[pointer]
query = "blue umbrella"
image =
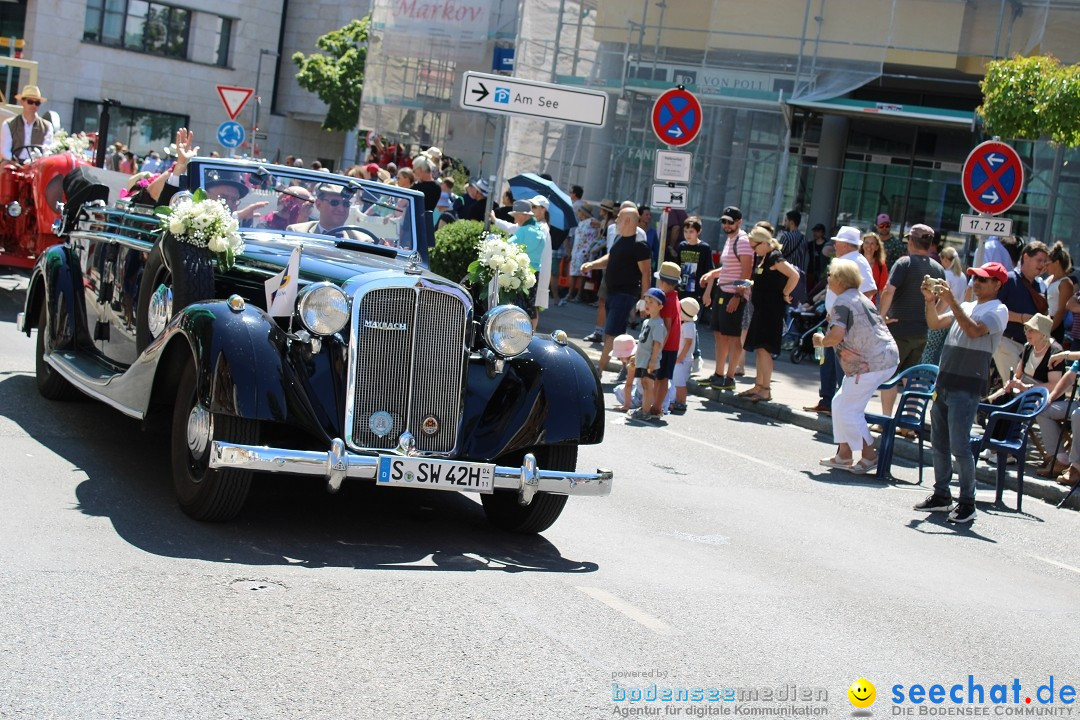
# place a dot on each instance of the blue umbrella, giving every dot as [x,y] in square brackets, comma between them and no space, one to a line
[560,208]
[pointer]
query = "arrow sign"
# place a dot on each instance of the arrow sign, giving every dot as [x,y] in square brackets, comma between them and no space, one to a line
[992,178]
[513,96]
[230,134]
[234,98]
[480,92]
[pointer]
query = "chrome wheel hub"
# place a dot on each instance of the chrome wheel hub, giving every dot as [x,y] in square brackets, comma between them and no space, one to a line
[198,431]
[160,310]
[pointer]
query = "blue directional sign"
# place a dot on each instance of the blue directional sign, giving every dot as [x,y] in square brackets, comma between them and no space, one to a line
[230,134]
[992,177]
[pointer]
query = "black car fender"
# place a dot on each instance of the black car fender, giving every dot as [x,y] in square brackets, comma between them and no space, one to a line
[219,340]
[548,395]
[51,280]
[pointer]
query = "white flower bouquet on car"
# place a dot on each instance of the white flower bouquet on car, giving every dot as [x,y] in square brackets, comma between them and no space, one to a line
[503,262]
[205,224]
[63,142]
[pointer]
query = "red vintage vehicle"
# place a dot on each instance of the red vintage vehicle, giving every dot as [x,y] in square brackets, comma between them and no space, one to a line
[29,193]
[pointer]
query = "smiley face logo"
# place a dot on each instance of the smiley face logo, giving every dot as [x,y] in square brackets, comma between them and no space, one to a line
[862,693]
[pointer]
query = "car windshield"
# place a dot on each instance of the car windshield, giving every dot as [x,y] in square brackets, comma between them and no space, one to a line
[313,203]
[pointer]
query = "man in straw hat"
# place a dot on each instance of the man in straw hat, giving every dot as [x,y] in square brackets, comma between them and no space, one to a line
[27,129]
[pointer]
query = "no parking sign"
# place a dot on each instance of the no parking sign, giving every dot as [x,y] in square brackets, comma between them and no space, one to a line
[676,116]
[992,178]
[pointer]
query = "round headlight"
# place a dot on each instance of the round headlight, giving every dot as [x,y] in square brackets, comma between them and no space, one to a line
[324,308]
[507,330]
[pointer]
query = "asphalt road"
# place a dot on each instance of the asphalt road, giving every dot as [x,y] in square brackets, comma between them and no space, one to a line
[725,557]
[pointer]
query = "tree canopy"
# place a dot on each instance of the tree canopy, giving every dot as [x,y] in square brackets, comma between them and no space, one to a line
[1027,98]
[337,74]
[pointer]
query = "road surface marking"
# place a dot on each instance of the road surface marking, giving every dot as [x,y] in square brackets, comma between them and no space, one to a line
[638,616]
[744,456]
[1058,564]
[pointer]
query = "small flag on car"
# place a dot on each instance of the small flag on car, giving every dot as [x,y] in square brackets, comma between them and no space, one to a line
[281,289]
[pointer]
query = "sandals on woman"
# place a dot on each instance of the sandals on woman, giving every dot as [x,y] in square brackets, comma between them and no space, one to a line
[1053,470]
[836,462]
[865,466]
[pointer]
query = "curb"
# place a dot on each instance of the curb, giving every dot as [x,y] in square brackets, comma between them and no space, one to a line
[1034,486]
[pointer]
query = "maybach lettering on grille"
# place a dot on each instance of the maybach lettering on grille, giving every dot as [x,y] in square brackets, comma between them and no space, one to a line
[448,11]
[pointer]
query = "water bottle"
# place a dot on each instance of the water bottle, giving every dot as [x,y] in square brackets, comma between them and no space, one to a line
[819,354]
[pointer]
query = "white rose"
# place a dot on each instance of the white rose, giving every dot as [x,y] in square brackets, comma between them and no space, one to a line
[515,283]
[523,259]
[504,281]
[218,244]
[510,267]
[529,281]
[176,226]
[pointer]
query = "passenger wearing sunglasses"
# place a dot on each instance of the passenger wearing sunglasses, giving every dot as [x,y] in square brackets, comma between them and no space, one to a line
[333,206]
[894,246]
[26,129]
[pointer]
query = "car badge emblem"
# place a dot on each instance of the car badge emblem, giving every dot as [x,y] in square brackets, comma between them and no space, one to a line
[381,423]
[430,425]
[380,325]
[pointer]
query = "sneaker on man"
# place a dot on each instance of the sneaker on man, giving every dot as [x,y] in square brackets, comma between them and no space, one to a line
[962,513]
[725,383]
[594,336]
[935,503]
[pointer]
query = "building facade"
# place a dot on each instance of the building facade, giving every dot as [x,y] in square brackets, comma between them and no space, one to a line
[159,63]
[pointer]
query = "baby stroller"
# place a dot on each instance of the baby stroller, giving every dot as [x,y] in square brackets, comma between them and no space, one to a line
[803,321]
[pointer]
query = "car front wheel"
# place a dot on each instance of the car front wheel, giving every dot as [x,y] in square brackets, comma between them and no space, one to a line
[203,492]
[503,509]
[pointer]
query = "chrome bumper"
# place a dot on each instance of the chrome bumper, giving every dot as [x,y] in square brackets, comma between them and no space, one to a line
[338,464]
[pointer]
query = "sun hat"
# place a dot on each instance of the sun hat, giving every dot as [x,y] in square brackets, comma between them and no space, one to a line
[656,294]
[608,204]
[623,346]
[993,270]
[848,234]
[521,207]
[1040,323]
[690,308]
[669,271]
[480,184]
[540,201]
[30,91]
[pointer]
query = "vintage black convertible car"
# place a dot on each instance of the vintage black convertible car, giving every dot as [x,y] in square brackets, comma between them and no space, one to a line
[380,370]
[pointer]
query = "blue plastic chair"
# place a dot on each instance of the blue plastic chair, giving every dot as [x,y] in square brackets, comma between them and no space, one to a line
[1015,419]
[910,413]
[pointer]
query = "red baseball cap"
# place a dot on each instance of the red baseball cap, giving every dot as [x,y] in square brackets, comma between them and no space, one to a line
[372,169]
[993,270]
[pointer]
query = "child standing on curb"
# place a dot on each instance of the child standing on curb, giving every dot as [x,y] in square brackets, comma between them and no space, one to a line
[623,348]
[689,309]
[647,359]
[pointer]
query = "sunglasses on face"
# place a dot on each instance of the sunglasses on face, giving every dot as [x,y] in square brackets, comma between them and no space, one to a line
[335,202]
[727,222]
[31,102]
[884,226]
[980,279]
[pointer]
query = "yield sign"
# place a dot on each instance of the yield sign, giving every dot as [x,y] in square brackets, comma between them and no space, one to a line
[676,116]
[234,98]
[992,178]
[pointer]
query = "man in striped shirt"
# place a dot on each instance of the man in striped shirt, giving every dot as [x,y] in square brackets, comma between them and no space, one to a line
[793,242]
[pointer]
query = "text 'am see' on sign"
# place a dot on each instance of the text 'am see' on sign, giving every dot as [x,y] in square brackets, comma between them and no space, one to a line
[514,96]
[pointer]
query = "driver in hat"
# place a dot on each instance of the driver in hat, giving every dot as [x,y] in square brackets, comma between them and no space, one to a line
[27,129]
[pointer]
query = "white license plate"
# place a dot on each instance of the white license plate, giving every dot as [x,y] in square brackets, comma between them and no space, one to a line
[429,474]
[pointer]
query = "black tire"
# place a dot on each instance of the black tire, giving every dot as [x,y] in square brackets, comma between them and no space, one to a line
[204,493]
[504,511]
[796,356]
[184,268]
[50,384]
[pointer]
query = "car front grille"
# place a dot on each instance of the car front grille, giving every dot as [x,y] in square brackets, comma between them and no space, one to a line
[410,357]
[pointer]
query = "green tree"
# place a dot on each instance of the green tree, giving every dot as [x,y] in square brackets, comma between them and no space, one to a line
[337,74]
[1027,98]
